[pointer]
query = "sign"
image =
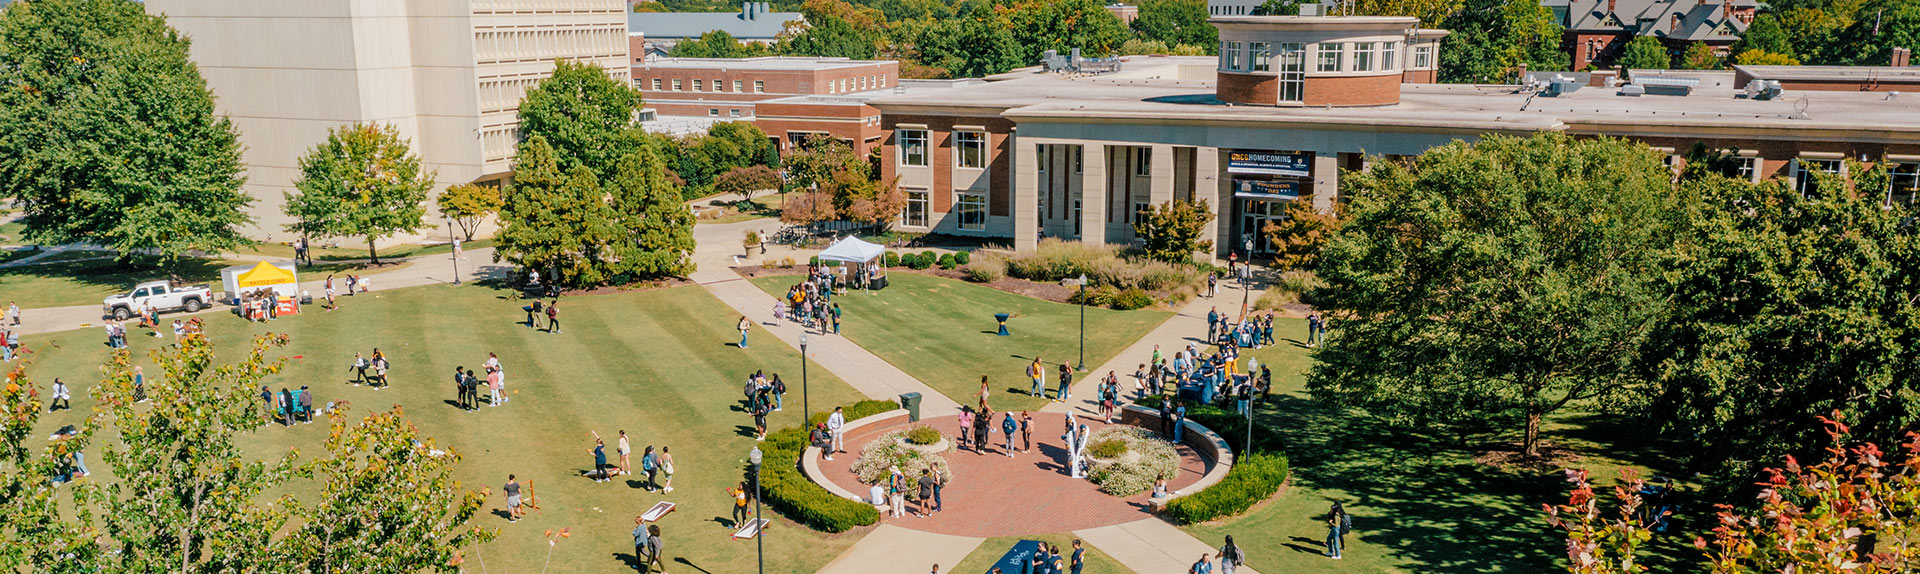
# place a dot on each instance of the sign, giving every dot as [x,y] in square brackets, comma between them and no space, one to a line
[1016,558]
[1275,163]
[1264,189]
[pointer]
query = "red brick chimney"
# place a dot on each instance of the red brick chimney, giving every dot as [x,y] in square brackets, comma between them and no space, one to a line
[1902,57]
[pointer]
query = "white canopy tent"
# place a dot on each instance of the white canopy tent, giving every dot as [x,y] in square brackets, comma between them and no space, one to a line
[852,250]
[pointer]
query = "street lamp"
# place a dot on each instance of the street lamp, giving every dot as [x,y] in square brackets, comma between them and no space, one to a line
[454,243]
[1083,323]
[760,530]
[805,408]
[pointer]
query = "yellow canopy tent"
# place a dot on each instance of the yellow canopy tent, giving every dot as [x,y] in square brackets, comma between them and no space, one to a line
[263,275]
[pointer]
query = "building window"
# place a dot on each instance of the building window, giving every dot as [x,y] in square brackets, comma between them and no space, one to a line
[883,80]
[1140,211]
[719,85]
[712,112]
[1257,56]
[1805,168]
[973,211]
[759,87]
[970,149]
[1330,57]
[699,86]
[656,84]
[1389,55]
[733,113]
[1423,57]
[1079,154]
[1903,183]
[1040,158]
[1291,68]
[676,84]
[1230,51]
[1363,56]
[1143,161]
[737,85]
[913,147]
[915,214]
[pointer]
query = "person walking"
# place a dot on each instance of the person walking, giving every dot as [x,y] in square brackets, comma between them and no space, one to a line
[1035,371]
[926,493]
[966,426]
[13,313]
[1079,559]
[1007,426]
[1336,519]
[1213,284]
[534,312]
[834,315]
[625,450]
[650,465]
[1066,381]
[654,559]
[779,308]
[665,464]
[62,397]
[1230,557]
[641,556]
[834,423]
[1202,566]
[513,499]
[1026,431]
[553,317]
[744,326]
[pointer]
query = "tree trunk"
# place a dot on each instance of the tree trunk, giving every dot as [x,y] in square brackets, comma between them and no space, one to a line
[1530,444]
[371,254]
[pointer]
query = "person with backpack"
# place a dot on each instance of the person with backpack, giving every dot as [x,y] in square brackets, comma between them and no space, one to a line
[1230,557]
[553,317]
[1008,425]
[1338,522]
[650,466]
[1202,566]
[779,392]
[460,387]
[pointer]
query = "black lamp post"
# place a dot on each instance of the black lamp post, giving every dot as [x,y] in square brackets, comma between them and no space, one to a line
[456,251]
[760,530]
[805,408]
[1083,323]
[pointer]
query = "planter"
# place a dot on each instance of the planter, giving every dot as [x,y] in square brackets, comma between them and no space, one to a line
[1126,458]
[936,448]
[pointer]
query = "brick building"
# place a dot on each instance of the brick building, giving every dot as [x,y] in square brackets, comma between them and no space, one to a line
[1029,154]
[791,98]
[1597,31]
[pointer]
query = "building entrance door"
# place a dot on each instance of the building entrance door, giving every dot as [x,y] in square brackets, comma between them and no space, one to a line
[1255,214]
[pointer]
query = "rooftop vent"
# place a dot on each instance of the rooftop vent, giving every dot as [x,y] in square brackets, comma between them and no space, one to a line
[1763,90]
[1664,86]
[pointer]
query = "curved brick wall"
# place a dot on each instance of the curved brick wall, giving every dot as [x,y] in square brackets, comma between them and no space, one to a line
[1341,91]
[1256,89]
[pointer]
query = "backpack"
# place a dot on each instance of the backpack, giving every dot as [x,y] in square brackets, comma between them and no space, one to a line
[1346,522]
[646,463]
[1233,555]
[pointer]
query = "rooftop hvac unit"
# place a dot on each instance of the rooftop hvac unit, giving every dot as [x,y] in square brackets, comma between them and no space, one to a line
[1664,86]
[1763,90]
[1313,9]
[1562,85]
[1632,90]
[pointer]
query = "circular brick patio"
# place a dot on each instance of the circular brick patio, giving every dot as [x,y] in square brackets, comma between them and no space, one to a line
[993,494]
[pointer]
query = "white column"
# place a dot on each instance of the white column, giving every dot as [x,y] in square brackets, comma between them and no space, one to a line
[1026,195]
[1093,193]
[1326,181]
[1161,189]
[1208,185]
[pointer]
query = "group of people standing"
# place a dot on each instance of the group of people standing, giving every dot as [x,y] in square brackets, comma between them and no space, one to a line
[1037,372]
[262,304]
[810,303]
[290,407]
[761,397]
[378,364]
[539,309]
[468,386]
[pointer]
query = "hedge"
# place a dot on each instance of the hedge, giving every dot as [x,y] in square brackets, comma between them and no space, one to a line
[946,261]
[785,489]
[962,257]
[1252,479]
[891,259]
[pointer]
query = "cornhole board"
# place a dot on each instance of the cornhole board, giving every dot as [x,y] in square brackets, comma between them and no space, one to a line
[751,530]
[658,512]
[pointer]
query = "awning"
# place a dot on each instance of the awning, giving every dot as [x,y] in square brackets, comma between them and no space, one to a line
[263,275]
[852,249]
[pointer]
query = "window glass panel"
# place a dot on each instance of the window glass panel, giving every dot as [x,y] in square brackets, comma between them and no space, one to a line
[699,85]
[971,149]
[1143,161]
[1904,183]
[759,87]
[1363,56]
[1330,57]
[915,214]
[1389,55]
[1423,57]
[1258,57]
[1803,179]
[913,147]
[972,208]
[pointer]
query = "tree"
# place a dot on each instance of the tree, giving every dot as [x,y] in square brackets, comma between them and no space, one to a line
[656,231]
[387,502]
[818,159]
[1878,28]
[1644,53]
[41,538]
[109,132]
[1786,306]
[1700,56]
[1430,12]
[747,181]
[859,197]
[1596,544]
[1064,25]
[1299,235]
[364,181]
[830,37]
[808,207]
[1764,58]
[468,204]
[1494,283]
[1278,8]
[716,44]
[587,117]
[555,222]
[1176,22]
[1764,35]
[725,146]
[971,46]
[1174,230]
[1491,39]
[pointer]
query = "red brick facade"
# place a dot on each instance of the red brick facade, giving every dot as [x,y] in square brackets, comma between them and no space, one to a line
[1256,89]
[940,158]
[859,125]
[1344,91]
[738,83]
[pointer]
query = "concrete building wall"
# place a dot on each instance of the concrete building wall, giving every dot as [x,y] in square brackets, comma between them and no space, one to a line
[447,73]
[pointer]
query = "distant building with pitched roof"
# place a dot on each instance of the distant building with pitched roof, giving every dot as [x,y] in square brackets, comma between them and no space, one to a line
[1597,31]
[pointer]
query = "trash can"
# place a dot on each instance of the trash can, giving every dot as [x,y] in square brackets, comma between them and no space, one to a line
[911,402]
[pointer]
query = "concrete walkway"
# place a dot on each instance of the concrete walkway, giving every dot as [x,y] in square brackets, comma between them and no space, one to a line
[1187,325]
[1152,545]
[891,549]
[424,270]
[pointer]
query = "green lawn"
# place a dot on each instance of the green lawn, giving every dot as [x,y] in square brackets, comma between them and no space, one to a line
[658,364]
[988,552]
[764,205]
[942,332]
[349,250]
[1420,504]
[86,277]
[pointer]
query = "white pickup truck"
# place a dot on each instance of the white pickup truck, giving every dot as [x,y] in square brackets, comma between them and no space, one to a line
[162,295]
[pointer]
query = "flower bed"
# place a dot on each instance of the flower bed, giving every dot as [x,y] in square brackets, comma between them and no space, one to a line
[789,492]
[1140,459]
[1252,479]
[881,455]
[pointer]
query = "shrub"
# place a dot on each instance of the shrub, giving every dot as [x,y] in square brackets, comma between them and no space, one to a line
[1097,296]
[814,261]
[786,262]
[962,257]
[922,435]
[930,256]
[789,492]
[891,259]
[753,238]
[946,261]
[1055,260]
[983,273]
[856,411]
[881,455]
[1292,287]
[1252,479]
[1111,448]
[1131,298]
[918,261]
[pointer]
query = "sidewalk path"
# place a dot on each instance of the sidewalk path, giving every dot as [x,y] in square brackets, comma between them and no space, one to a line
[1172,336]
[425,270]
[1152,545]
[891,548]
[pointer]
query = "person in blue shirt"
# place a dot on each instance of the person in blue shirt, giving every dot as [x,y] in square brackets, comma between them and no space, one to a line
[599,459]
[1179,420]
[1079,558]
[1201,567]
[1007,426]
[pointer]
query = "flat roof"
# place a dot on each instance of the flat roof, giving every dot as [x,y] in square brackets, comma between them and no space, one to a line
[1153,89]
[1833,73]
[770,63]
[901,89]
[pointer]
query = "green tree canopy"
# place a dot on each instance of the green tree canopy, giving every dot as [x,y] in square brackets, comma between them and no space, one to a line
[1765,35]
[1063,25]
[1176,22]
[468,204]
[364,181]
[554,222]
[657,228]
[830,37]
[585,115]
[1878,28]
[971,45]
[1700,56]
[109,134]
[747,181]
[1492,38]
[1174,230]
[1645,53]
[716,44]
[1494,283]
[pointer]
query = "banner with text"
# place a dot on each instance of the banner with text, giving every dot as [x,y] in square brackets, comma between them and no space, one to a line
[1298,164]
[1263,189]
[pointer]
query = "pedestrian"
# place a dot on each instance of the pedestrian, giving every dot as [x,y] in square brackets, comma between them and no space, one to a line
[897,492]
[1336,520]
[665,464]
[939,482]
[1213,284]
[966,425]
[286,406]
[835,315]
[351,282]
[982,431]
[640,537]
[984,391]
[926,493]
[1066,381]
[779,389]
[651,466]
[834,422]
[534,312]
[653,549]
[460,387]
[1201,567]
[1079,560]
[1166,416]
[553,317]
[624,449]
[140,385]
[1026,431]
[1179,420]
[1313,330]
[13,313]
[1007,426]
[62,397]
[1109,396]
[513,499]
[778,308]
[739,505]
[379,369]
[760,419]
[744,326]
[599,458]
[1230,557]
[1035,371]
[6,352]
[1213,321]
